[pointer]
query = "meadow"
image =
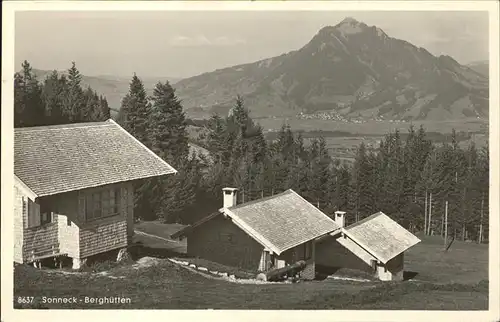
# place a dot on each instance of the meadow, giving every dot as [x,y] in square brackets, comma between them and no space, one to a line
[453,280]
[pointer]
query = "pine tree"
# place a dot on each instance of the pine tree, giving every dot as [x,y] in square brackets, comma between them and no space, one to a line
[53,96]
[343,182]
[215,139]
[472,195]
[168,134]
[149,195]
[239,116]
[257,146]
[168,138]
[29,109]
[135,110]
[320,173]
[105,110]
[74,103]
[483,165]
[180,193]
[282,159]
[90,110]
[214,179]
[133,117]
[19,101]
[362,182]
[242,149]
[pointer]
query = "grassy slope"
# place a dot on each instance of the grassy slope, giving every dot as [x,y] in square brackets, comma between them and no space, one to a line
[161,247]
[169,286]
[465,263]
[158,229]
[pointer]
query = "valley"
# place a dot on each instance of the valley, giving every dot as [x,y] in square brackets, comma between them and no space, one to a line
[343,138]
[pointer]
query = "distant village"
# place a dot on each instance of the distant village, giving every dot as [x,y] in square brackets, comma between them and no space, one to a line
[334,116]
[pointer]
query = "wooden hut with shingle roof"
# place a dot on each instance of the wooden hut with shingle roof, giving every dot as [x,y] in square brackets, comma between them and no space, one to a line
[73,189]
[271,232]
[376,244]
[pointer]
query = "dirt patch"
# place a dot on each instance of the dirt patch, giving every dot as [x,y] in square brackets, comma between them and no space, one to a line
[349,279]
[107,274]
[145,262]
[77,273]
[50,271]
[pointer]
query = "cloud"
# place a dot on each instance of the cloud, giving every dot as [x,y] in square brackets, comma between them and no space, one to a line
[202,40]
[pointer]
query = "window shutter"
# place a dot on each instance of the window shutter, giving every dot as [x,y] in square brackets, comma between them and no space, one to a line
[36,211]
[33,214]
[30,214]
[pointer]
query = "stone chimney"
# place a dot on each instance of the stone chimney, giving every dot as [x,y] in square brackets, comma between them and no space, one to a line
[340,218]
[229,197]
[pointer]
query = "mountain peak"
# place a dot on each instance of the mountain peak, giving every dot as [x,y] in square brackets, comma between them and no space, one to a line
[350,26]
[349,69]
[349,20]
[347,24]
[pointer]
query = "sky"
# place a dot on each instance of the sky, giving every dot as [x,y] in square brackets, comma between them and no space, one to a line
[188,43]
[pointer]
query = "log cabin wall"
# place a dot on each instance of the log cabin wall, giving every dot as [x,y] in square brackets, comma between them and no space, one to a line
[221,241]
[68,231]
[109,232]
[330,253]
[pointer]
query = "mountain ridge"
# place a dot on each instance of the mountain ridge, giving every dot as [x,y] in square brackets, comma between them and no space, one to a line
[350,69]
[481,67]
[114,88]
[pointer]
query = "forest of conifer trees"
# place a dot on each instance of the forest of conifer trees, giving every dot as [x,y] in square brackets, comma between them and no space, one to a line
[58,99]
[410,179]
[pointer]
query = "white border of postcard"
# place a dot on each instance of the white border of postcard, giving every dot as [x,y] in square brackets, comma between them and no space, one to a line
[9,314]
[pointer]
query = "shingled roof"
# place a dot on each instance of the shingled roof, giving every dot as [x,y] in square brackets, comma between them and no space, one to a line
[381,236]
[62,158]
[278,222]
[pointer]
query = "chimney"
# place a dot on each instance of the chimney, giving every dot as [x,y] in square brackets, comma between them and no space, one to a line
[340,218]
[229,197]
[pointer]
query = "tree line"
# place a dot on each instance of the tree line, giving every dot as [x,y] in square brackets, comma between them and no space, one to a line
[408,177]
[57,99]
